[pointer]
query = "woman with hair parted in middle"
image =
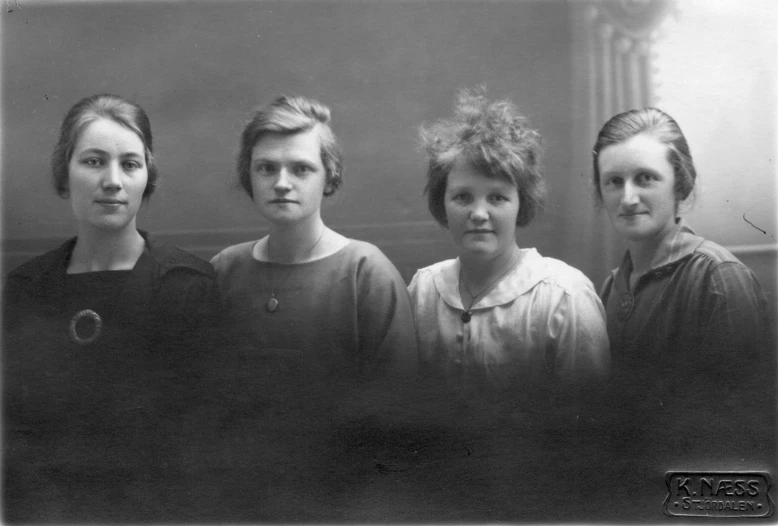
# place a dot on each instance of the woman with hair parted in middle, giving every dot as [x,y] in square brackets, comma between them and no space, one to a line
[304,294]
[107,342]
[684,314]
[499,315]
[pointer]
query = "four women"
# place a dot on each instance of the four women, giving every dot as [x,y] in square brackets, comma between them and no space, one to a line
[108,338]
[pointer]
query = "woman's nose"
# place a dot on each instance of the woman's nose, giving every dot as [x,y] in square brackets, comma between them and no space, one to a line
[630,195]
[282,182]
[112,177]
[479,212]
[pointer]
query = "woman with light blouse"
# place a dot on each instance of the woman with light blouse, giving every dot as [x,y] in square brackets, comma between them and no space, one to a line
[499,316]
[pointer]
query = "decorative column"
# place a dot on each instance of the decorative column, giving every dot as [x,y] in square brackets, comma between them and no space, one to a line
[611,72]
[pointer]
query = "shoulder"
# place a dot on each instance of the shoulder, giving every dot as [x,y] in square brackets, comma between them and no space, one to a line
[365,255]
[714,253]
[724,270]
[441,268]
[556,273]
[362,249]
[173,259]
[39,265]
[233,254]
[365,263]
[710,259]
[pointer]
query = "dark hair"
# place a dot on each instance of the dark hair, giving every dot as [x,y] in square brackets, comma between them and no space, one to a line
[289,115]
[495,139]
[655,123]
[88,110]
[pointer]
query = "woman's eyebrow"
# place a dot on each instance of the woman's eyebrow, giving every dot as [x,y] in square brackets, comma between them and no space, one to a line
[92,150]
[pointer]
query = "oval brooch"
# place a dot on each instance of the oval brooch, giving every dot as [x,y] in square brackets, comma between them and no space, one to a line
[97,326]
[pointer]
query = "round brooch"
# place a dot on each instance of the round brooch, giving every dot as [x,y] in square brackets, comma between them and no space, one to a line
[97,326]
[626,305]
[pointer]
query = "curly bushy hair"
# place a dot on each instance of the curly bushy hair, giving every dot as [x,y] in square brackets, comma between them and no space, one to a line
[289,115]
[495,139]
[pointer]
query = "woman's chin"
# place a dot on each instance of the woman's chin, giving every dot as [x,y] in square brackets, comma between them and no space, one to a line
[478,250]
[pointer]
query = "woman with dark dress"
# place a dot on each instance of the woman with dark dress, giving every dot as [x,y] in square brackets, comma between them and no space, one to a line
[691,339]
[323,326]
[105,340]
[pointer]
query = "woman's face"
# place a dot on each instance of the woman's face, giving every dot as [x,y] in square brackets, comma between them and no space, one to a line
[481,212]
[637,183]
[107,176]
[287,176]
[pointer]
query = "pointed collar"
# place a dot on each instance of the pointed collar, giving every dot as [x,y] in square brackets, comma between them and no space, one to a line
[528,271]
[675,247]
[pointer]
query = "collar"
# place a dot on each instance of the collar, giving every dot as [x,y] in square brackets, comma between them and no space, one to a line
[675,247]
[159,255]
[528,271]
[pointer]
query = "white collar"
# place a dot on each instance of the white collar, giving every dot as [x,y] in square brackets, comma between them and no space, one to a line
[528,272]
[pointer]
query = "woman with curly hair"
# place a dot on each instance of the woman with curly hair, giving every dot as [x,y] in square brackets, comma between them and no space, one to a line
[499,316]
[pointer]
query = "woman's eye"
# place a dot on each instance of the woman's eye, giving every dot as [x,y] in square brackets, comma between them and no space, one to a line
[264,169]
[644,178]
[499,198]
[613,181]
[131,165]
[461,198]
[302,169]
[93,161]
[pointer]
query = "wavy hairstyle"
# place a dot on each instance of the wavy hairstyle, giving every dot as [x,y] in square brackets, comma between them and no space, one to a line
[494,138]
[657,124]
[289,115]
[88,110]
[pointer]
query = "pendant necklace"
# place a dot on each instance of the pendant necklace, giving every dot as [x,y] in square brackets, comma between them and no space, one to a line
[272,302]
[467,314]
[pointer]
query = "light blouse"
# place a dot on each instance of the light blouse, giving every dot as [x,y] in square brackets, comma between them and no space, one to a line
[542,321]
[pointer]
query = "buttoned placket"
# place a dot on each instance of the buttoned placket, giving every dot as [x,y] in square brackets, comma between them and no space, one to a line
[464,356]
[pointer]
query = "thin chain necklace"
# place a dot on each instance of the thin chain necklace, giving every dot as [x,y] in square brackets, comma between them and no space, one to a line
[272,302]
[467,314]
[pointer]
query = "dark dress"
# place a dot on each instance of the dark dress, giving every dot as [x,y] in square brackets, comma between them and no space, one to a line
[693,354]
[101,418]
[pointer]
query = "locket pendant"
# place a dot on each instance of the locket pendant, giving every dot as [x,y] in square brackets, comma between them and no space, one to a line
[272,304]
[466,316]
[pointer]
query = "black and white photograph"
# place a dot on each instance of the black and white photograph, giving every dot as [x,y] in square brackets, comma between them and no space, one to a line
[389,261]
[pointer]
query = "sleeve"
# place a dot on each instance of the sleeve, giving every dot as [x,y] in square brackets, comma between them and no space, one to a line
[387,333]
[582,352]
[737,334]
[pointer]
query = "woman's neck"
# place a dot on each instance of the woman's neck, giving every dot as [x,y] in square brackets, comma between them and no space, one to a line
[479,272]
[644,253]
[293,243]
[98,250]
